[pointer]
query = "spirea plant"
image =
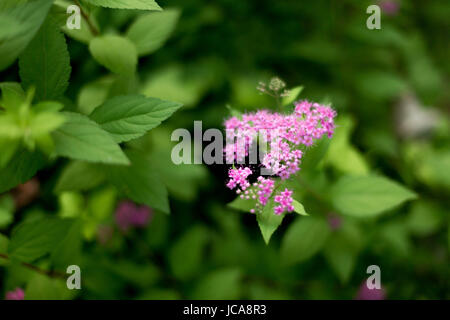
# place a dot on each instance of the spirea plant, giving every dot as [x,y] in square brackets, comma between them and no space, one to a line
[41,127]
[282,139]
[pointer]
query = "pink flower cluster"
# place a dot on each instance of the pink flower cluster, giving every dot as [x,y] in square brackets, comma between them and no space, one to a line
[284,136]
[238,177]
[285,200]
[17,294]
[129,215]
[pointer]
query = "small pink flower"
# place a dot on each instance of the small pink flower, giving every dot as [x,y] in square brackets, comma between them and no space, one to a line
[364,293]
[334,221]
[129,215]
[389,7]
[17,294]
[285,202]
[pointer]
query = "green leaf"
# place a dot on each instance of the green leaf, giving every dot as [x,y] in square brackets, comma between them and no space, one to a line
[82,139]
[28,17]
[140,275]
[21,168]
[79,176]
[303,239]
[140,183]
[342,248]
[4,241]
[42,287]
[33,239]
[94,94]
[160,294]
[59,13]
[68,251]
[313,155]
[116,53]
[126,4]
[298,208]
[342,154]
[129,117]
[293,95]
[45,63]
[47,106]
[9,148]
[242,204]
[149,32]
[186,255]
[6,210]
[425,218]
[12,95]
[182,84]
[365,196]
[224,284]
[268,221]
[45,122]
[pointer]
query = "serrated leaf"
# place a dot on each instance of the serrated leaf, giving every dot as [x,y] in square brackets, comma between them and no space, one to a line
[366,196]
[303,239]
[21,167]
[79,176]
[129,117]
[126,4]
[28,17]
[81,138]
[268,221]
[33,239]
[116,53]
[150,31]
[45,63]
[139,182]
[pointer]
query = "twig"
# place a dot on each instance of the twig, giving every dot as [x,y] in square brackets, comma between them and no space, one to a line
[53,274]
[93,28]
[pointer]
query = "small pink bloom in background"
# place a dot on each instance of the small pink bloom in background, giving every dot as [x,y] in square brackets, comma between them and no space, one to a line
[334,221]
[389,7]
[129,215]
[17,294]
[364,293]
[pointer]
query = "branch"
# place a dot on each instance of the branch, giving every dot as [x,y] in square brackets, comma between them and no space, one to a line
[53,274]
[93,28]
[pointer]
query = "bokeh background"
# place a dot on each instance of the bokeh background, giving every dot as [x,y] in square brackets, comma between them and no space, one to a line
[391,91]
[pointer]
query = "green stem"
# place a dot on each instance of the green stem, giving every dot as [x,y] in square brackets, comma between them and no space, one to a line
[93,28]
